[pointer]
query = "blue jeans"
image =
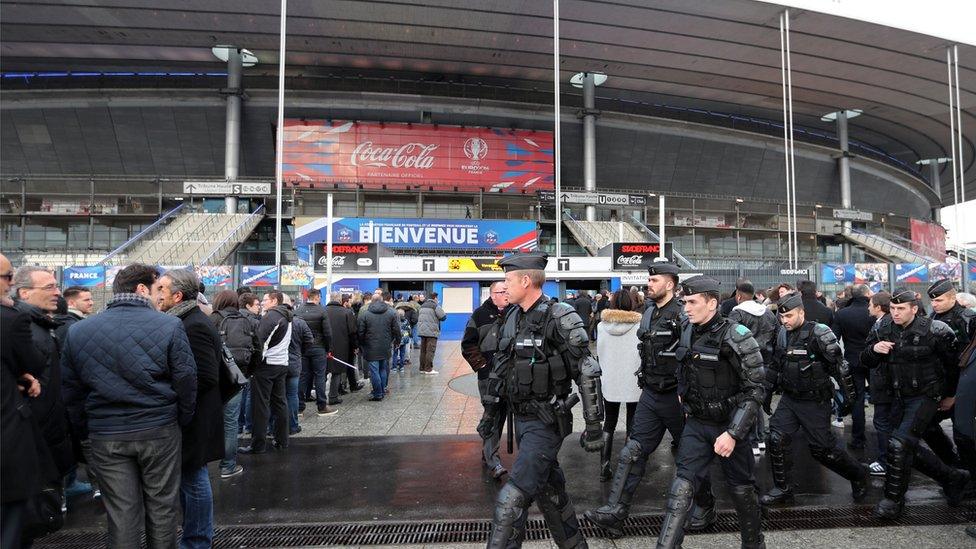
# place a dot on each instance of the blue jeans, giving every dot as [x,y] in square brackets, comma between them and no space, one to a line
[415,336]
[232,412]
[196,497]
[379,371]
[317,362]
[244,420]
[400,356]
[291,393]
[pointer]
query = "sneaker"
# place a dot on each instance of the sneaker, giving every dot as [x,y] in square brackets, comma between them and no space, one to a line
[97,494]
[375,398]
[233,472]
[325,410]
[498,471]
[837,423]
[876,469]
[756,452]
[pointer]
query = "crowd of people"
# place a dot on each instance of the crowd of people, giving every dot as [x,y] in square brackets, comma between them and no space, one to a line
[143,395]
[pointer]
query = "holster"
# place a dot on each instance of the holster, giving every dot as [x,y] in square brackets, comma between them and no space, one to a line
[564,415]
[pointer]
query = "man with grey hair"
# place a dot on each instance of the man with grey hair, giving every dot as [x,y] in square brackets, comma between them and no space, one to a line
[851,325]
[35,292]
[176,294]
[966,299]
[132,417]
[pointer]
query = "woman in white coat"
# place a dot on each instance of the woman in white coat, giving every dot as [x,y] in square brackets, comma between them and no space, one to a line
[616,348]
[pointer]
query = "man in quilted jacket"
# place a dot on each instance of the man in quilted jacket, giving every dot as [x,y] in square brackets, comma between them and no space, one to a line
[129,382]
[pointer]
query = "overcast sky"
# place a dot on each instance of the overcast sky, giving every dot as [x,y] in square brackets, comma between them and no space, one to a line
[967,222]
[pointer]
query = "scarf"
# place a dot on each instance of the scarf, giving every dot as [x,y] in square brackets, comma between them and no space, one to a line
[182,308]
[133,298]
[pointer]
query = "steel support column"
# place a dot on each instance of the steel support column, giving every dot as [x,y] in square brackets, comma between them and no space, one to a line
[232,132]
[589,140]
[844,166]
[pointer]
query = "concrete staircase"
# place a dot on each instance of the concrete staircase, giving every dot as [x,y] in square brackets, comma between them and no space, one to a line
[886,248]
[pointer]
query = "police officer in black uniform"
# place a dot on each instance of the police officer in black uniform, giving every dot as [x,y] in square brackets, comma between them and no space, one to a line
[963,324]
[915,351]
[658,409]
[720,380]
[543,348]
[805,357]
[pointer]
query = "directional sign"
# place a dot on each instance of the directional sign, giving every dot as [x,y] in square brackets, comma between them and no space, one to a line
[428,265]
[562,263]
[225,188]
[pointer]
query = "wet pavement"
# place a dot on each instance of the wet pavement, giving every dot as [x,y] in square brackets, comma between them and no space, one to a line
[415,457]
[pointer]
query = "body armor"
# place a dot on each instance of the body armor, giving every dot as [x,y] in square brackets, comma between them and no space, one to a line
[536,369]
[659,334]
[802,367]
[915,364]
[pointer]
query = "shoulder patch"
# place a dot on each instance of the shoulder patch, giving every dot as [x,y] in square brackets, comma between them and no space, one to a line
[742,330]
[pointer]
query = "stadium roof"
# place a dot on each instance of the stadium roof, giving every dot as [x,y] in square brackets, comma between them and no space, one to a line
[719,55]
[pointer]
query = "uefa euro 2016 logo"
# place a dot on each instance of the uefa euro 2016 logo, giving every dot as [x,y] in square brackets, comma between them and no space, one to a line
[491,237]
[345,235]
[475,148]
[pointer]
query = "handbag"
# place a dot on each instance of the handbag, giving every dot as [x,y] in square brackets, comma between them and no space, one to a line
[232,379]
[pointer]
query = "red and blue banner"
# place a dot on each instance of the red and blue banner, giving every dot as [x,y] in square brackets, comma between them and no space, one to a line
[215,276]
[89,277]
[406,156]
[426,234]
[259,275]
[911,272]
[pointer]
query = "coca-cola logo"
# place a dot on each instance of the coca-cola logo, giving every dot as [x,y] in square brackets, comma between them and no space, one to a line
[409,155]
[630,261]
[337,261]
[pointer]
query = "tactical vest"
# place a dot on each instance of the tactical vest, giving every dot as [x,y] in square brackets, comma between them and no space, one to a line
[537,371]
[802,375]
[707,381]
[956,319]
[914,368]
[659,339]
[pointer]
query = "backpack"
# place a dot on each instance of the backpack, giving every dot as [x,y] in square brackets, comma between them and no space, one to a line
[237,333]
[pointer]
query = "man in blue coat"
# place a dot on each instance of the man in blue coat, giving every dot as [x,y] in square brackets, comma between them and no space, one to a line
[129,383]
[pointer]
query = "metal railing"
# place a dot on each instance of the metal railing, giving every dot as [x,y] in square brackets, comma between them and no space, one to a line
[156,225]
[656,237]
[234,238]
[579,231]
[886,246]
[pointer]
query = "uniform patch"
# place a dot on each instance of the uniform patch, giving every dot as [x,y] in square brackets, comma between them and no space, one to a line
[741,330]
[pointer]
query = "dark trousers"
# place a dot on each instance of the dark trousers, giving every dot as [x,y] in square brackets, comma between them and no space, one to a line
[428,346]
[140,483]
[613,416]
[813,418]
[697,450]
[655,414]
[883,427]
[268,393]
[313,375]
[857,413]
[12,523]
[489,450]
[938,440]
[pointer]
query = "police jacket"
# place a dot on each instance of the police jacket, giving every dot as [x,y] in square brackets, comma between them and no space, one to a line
[480,339]
[962,321]
[721,374]
[541,351]
[924,350]
[659,332]
[760,321]
[803,362]
[315,316]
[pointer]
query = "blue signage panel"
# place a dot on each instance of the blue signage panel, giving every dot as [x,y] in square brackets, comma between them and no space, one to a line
[90,277]
[259,275]
[911,272]
[837,273]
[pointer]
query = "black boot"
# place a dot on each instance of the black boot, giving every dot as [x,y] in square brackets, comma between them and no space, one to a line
[611,516]
[746,503]
[702,514]
[954,481]
[842,463]
[560,516]
[606,454]
[680,498]
[780,455]
[510,507]
[899,472]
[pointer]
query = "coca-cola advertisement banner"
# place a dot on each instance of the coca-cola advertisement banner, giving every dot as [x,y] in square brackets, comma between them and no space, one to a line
[402,156]
[638,256]
[346,258]
[928,239]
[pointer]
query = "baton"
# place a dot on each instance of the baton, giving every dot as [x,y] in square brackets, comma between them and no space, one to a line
[343,362]
[511,431]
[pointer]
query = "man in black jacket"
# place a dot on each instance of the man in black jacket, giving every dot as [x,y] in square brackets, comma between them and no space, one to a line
[852,324]
[345,339]
[478,346]
[378,329]
[20,469]
[815,310]
[176,294]
[268,382]
[80,304]
[314,315]
[35,292]
[584,306]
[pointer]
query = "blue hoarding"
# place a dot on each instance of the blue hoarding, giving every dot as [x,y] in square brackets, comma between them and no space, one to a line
[837,273]
[911,272]
[440,234]
[90,277]
[259,275]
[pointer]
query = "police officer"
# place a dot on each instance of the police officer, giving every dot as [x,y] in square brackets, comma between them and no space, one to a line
[805,357]
[963,324]
[543,348]
[915,351]
[720,380]
[658,409]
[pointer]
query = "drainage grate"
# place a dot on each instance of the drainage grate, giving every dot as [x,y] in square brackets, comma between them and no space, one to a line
[476,531]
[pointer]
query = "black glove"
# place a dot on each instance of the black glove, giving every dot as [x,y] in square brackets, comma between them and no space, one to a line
[768,403]
[486,427]
[593,438]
